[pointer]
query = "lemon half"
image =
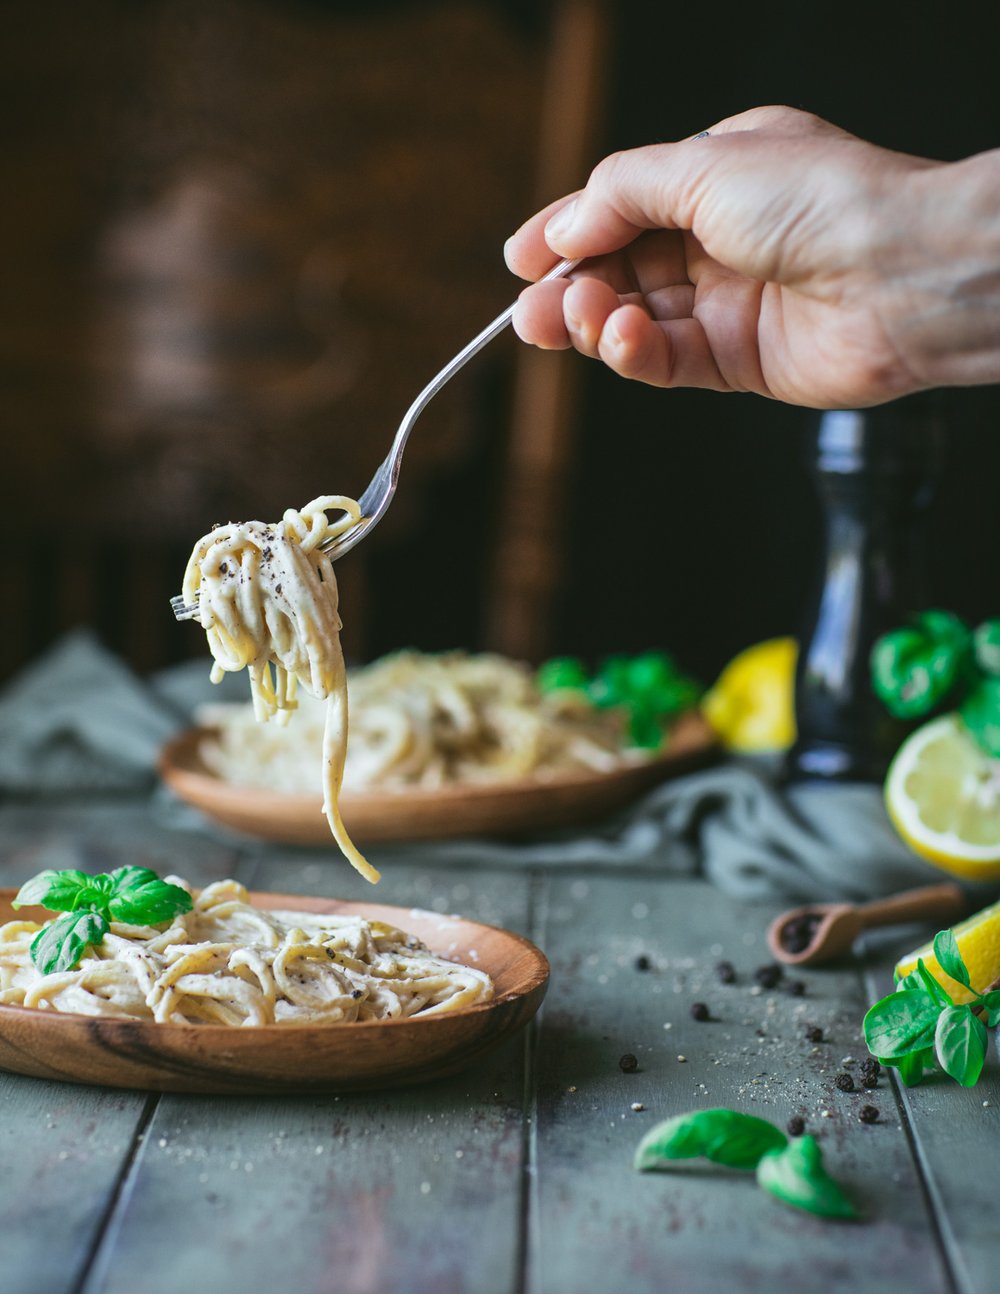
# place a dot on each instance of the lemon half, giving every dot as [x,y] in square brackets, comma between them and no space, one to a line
[942,793]
[978,940]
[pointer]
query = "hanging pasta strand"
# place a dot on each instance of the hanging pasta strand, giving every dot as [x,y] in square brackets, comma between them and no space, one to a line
[267,600]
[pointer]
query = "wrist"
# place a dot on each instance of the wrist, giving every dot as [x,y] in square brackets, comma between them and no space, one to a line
[940,271]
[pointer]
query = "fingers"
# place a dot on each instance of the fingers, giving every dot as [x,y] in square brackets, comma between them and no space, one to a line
[674,353]
[538,315]
[589,315]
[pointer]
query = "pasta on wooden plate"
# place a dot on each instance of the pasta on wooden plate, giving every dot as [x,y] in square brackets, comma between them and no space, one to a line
[227,962]
[420,720]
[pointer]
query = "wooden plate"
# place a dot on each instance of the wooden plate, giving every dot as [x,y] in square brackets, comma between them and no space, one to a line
[288,1058]
[508,809]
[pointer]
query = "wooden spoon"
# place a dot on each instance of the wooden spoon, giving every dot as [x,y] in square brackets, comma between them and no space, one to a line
[832,928]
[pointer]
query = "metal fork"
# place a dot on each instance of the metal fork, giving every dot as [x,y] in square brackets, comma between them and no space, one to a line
[376,499]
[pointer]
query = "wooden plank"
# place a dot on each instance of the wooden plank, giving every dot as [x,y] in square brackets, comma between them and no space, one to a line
[701,1228]
[97,835]
[409,1191]
[956,1131]
[62,1151]
[63,1148]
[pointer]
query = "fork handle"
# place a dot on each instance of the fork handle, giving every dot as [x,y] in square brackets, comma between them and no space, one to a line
[394,457]
[473,348]
[382,487]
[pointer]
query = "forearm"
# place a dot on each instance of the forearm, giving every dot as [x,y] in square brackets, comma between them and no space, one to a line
[942,276]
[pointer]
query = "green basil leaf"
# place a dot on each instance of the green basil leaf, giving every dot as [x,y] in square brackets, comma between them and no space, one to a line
[949,958]
[560,673]
[912,980]
[931,986]
[57,891]
[126,878]
[944,627]
[723,1136]
[986,645]
[60,944]
[960,1044]
[912,1067]
[796,1176]
[644,728]
[149,903]
[980,712]
[902,1022]
[610,686]
[913,669]
[652,672]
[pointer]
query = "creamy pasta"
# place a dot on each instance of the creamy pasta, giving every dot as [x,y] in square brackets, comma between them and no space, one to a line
[427,721]
[227,962]
[267,600]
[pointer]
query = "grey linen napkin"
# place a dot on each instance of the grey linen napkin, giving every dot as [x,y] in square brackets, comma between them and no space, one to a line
[736,826]
[79,720]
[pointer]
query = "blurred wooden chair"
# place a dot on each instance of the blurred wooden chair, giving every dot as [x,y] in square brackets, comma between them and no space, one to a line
[242,243]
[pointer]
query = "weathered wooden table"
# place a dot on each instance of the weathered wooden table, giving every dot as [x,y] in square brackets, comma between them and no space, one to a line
[516,1175]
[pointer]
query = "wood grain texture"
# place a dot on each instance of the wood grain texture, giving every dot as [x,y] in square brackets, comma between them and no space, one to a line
[62,1151]
[372,1193]
[366,1055]
[956,1132]
[502,1180]
[702,1229]
[513,808]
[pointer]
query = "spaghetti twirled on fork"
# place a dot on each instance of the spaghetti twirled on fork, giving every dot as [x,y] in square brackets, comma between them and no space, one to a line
[267,600]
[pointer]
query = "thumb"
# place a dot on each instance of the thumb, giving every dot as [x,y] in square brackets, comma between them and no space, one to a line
[627,193]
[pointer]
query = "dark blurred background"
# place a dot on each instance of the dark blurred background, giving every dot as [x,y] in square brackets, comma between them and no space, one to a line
[240,237]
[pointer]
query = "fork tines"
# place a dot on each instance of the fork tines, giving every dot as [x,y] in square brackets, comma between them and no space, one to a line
[183,610]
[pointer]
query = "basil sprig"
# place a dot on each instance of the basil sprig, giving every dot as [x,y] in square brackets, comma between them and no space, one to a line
[939,661]
[649,687]
[920,1027]
[134,895]
[795,1175]
[792,1172]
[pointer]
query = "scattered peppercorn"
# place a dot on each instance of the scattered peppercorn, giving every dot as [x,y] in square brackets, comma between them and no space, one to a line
[868,1114]
[844,1082]
[796,1125]
[871,1066]
[628,1063]
[699,1011]
[768,976]
[814,1033]
[868,1079]
[795,987]
[726,972]
[642,962]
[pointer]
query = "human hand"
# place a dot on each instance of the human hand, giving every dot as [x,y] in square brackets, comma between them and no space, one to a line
[779,255]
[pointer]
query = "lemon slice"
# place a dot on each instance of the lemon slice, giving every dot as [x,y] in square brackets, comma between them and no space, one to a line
[751,704]
[978,940]
[942,793]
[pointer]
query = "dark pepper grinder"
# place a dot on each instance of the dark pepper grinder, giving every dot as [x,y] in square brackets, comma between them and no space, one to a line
[875,471]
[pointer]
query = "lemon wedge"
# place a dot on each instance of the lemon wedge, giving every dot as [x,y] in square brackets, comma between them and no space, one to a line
[751,705]
[978,940]
[942,793]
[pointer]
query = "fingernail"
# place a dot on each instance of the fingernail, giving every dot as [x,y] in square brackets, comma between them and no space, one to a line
[561,223]
[506,250]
